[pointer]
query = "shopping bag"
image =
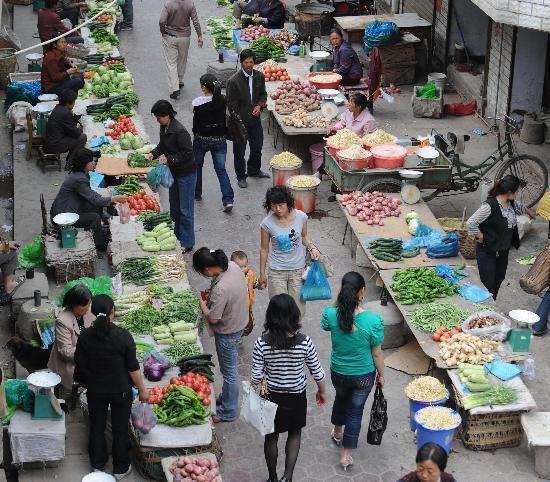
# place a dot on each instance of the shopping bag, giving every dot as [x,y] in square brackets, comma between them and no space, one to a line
[143,417]
[160,175]
[378,418]
[33,254]
[316,286]
[257,411]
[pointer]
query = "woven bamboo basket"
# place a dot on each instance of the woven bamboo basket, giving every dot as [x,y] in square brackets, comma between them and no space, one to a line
[488,431]
[20,2]
[147,460]
[467,243]
[538,277]
[8,64]
[450,225]
[64,272]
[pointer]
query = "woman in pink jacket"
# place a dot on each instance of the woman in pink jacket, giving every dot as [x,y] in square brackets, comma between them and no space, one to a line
[357,118]
[69,322]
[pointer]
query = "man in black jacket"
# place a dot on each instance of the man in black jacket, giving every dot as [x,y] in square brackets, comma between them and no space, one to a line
[246,97]
[63,129]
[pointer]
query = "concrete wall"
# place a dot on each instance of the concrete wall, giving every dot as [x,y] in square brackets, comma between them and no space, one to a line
[500,67]
[520,13]
[423,8]
[440,33]
[529,69]
[474,23]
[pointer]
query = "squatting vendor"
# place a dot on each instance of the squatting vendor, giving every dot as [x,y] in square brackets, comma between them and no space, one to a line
[269,13]
[77,196]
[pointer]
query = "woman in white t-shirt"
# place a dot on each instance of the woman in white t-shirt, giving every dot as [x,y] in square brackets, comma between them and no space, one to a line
[284,241]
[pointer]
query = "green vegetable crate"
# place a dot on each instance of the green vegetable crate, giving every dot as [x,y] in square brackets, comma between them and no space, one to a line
[347,181]
[488,431]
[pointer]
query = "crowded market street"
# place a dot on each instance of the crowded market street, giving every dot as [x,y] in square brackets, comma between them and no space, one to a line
[242,445]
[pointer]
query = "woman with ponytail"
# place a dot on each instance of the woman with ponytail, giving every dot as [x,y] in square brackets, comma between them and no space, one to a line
[494,225]
[106,363]
[355,362]
[225,309]
[210,135]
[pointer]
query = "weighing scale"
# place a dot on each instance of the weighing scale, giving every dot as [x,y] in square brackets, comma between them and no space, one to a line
[68,231]
[43,111]
[409,190]
[329,106]
[519,337]
[322,64]
[34,62]
[46,405]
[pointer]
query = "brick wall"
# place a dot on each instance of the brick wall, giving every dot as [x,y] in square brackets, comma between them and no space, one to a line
[500,68]
[440,33]
[520,13]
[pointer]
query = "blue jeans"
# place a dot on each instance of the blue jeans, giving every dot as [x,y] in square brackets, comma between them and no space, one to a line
[128,13]
[352,392]
[226,348]
[182,208]
[218,148]
[255,133]
[543,311]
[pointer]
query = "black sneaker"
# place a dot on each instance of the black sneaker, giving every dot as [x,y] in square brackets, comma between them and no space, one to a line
[198,198]
[126,27]
[227,208]
[242,183]
[540,333]
[181,85]
[260,175]
[175,95]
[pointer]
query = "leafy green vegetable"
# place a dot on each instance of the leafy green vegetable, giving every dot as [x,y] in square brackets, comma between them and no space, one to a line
[501,395]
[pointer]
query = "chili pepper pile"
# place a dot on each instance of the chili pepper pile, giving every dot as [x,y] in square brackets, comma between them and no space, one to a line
[129,187]
[420,285]
[181,407]
[141,201]
[101,35]
[197,382]
[122,125]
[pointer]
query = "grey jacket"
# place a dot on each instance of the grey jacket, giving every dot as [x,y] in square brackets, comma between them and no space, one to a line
[76,196]
[238,95]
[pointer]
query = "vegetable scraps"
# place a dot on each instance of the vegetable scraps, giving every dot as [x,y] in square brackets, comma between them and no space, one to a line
[181,407]
[419,285]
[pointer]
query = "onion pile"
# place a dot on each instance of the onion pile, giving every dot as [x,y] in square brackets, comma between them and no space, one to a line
[254,32]
[371,207]
[293,95]
[191,468]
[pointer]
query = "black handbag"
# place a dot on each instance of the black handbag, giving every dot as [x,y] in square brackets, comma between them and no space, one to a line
[378,418]
[236,130]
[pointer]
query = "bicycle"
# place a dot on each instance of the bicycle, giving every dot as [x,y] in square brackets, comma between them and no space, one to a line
[466,178]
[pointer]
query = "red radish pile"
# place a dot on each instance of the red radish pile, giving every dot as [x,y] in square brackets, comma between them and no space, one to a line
[189,468]
[371,207]
[254,32]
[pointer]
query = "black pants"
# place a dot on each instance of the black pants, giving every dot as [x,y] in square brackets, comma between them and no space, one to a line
[255,133]
[92,221]
[492,268]
[98,406]
[69,144]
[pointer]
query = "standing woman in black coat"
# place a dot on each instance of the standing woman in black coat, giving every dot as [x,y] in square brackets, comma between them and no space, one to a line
[175,149]
[495,226]
[210,135]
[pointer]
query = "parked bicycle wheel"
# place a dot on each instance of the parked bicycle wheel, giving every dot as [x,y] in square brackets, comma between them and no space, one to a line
[531,170]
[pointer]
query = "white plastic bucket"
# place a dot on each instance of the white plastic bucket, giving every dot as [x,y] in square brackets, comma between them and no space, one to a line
[98,477]
[438,79]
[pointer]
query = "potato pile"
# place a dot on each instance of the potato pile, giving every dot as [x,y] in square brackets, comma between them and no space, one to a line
[464,348]
[301,118]
[284,38]
[293,95]
[189,468]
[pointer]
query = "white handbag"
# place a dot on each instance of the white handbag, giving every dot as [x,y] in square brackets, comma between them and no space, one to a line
[257,411]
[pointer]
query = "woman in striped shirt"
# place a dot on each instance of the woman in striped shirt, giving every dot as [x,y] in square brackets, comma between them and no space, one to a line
[279,356]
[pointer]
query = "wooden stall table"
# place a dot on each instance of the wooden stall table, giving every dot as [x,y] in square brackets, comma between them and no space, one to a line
[353,27]
[396,228]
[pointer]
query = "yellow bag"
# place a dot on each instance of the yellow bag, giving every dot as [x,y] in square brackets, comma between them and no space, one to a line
[543,207]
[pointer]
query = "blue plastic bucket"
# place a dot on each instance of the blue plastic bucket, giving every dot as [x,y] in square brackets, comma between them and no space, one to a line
[440,437]
[414,406]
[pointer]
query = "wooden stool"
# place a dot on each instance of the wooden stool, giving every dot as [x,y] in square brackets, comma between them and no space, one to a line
[34,141]
[48,160]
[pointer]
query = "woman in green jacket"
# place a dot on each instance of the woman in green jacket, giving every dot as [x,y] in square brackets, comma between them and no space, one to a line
[355,362]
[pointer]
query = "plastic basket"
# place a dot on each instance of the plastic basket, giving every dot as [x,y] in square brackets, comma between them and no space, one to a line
[383,160]
[442,437]
[414,406]
[316,152]
[323,85]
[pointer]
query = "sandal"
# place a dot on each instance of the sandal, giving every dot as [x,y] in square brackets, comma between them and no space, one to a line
[336,440]
[347,463]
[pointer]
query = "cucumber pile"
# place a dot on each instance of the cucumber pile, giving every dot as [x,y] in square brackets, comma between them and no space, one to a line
[386,249]
[161,238]
[151,219]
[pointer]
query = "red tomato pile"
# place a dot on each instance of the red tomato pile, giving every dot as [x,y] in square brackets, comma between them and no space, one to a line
[122,125]
[104,18]
[141,201]
[442,334]
[111,62]
[275,73]
[253,32]
[196,382]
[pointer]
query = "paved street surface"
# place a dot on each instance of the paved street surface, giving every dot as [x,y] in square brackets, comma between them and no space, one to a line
[243,455]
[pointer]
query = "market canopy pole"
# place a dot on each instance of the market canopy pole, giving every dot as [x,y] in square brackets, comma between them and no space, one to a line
[78,27]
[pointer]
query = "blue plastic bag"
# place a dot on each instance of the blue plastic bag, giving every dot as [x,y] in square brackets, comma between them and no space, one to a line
[503,370]
[316,286]
[381,33]
[97,142]
[424,237]
[452,275]
[473,293]
[446,247]
[160,176]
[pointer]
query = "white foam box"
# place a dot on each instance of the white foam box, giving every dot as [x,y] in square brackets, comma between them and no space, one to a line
[36,440]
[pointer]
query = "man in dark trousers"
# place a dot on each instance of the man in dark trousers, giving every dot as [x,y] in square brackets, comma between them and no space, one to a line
[63,130]
[246,97]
